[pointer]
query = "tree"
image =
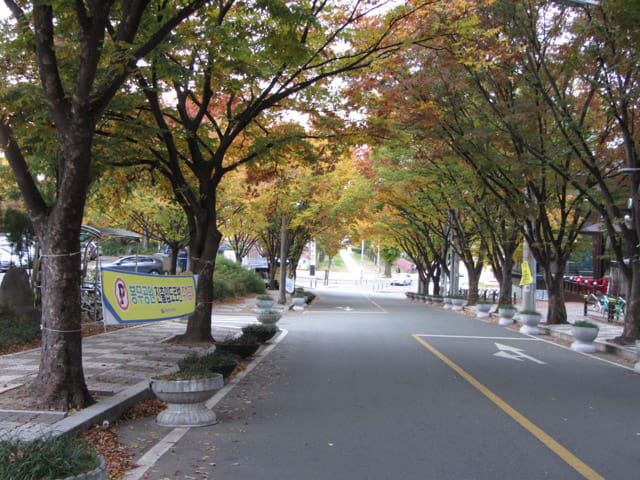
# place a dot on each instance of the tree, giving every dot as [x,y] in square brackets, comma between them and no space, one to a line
[229,96]
[70,59]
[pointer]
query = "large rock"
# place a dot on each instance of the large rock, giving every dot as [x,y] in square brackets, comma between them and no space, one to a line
[16,293]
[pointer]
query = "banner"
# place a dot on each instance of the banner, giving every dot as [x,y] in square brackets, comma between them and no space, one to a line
[138,297]
[526,274]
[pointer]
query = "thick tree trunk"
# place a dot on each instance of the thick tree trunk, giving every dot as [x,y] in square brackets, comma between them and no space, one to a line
[474,280]
[203,254]
[60,382]
[631,330]
[506,282]
[557,312]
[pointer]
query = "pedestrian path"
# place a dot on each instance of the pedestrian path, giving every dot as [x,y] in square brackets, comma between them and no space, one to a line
[113,363]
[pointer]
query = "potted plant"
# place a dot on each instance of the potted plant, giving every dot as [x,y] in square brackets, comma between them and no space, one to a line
[220,362]
[436,298]
[506,311]
[584,333]
[457,302]
[57,457]
[269,316]
[185,390]
[530,320]
[299,299]
[263,333]
[482,308]
[244,346]
[448,303]
[265,301]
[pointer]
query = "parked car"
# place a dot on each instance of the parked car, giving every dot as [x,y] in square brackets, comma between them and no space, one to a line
[144,263]
[401,279]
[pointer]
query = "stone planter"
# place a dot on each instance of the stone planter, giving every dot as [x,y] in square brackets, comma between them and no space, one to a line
[186,401]
[529,323]
[448,303]
[584,337]
[457,303]
[298,303]
[506,315]
[98,473]
[264,303]
[482,310]
[269,318]
[437,300]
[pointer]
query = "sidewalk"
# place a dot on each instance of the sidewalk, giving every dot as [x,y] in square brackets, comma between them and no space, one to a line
[117,367]
[607,331]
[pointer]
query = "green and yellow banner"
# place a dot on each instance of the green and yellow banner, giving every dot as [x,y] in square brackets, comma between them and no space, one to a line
[138,297]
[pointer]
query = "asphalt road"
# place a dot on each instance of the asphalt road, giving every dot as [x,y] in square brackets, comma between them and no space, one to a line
[376,387]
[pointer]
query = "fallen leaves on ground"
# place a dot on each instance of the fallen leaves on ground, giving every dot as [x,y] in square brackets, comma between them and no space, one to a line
[104,440]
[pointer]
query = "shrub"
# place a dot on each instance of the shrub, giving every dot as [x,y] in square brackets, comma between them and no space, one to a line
[50,457]
[15,331]
[232,279]
[584,323]
[261,332]
[529,312]
[244,339]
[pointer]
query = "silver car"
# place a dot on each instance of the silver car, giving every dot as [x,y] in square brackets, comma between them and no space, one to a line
[141,264]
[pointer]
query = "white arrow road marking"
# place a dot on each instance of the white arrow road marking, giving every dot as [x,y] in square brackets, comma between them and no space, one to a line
[346,309]
[514,353]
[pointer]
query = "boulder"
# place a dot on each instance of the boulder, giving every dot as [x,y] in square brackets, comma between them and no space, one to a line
[16,294]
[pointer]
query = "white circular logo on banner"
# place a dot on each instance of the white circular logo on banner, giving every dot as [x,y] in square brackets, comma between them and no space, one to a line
[121,293]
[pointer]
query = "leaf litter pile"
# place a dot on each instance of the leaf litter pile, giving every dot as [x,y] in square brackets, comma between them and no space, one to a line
[105,441]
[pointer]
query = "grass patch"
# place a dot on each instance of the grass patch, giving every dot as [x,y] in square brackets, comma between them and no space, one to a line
[337,265]
[52,457]
[17,331]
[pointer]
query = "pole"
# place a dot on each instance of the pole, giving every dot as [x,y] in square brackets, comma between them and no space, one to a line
[362,263]
[529,291]
[283,262]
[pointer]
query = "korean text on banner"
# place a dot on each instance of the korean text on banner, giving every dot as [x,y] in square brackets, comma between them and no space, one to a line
[136,297]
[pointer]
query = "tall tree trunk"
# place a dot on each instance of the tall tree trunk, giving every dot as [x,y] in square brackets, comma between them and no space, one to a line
[631,330]
[506,281]
[60,382]
[203,255]
[557,312]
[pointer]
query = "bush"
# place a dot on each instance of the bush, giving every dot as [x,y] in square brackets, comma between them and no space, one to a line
[231,279]
[51,457]
[584,323]
[17,331]
[261,332]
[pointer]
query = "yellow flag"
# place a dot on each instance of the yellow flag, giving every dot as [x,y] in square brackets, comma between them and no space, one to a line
[526,274]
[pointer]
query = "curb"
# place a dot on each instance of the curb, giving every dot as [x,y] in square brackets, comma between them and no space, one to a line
[111,409]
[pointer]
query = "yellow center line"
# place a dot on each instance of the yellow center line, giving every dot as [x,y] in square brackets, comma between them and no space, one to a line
[365,296]
[586,471]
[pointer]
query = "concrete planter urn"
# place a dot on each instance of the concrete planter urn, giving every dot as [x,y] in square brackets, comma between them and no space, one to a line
[529,321]
[186,400]
[584,333]
[265,301]
[269,317]
[98,473]
[457,303]
[482,310]
[506,314]
[299,303]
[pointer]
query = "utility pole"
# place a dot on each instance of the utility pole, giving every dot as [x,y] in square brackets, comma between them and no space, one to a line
[283,261]
[529,290]
[362,263]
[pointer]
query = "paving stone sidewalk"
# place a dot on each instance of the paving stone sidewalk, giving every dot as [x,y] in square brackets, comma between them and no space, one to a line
[117,366]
